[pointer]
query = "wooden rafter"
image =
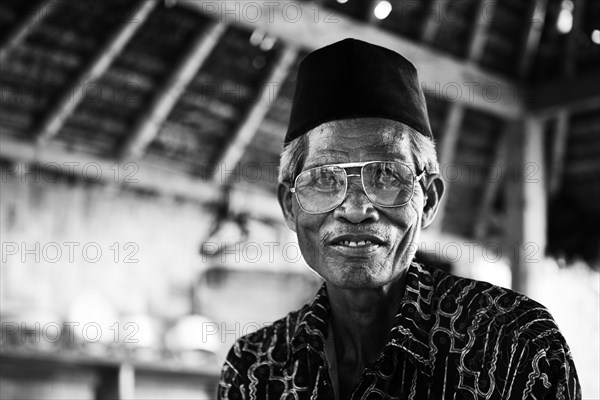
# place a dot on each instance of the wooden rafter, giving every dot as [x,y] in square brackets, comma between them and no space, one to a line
[20,30]
[311,27]
[533,37]
[67,101]
[252,121]
[479,35]
[147,126]
[134,174]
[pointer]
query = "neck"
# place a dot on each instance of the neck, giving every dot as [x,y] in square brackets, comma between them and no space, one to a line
[362,319]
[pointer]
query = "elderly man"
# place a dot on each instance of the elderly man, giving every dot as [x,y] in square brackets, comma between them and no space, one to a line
[358,181]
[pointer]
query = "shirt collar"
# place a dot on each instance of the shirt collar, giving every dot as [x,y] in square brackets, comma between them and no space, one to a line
[412,326]
[312,326]
[414,320]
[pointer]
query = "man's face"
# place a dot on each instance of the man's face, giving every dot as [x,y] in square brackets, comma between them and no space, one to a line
[326,239]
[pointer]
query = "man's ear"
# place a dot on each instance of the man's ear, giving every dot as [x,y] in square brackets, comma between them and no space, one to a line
[433,196]
[285,198]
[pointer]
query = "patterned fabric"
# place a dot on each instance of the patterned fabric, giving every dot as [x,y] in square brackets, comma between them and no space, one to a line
[453,338]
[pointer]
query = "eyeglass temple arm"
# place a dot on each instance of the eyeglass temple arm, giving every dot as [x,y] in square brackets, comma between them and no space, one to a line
[419,178]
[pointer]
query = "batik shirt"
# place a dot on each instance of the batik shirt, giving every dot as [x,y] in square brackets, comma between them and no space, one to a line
[453,338]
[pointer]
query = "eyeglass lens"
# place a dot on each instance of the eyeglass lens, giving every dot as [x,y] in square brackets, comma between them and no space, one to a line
[323,188]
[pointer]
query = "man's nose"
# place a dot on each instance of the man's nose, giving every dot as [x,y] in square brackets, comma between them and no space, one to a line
[356,207]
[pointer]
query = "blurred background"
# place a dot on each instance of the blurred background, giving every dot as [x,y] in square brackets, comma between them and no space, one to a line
[139,145]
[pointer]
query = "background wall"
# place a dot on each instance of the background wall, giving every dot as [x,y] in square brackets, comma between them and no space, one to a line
[138,251]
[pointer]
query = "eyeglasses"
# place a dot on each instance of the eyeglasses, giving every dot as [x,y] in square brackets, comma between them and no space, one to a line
[386,184]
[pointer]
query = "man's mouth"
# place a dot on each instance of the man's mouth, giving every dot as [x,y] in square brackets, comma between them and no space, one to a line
[356,244]
[357,241]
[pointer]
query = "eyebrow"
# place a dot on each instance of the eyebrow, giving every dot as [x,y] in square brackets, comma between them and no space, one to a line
[378,152]
[325,155]
[397,159]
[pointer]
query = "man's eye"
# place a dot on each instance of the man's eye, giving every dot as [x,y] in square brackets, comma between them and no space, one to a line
[327,180]
[386,178]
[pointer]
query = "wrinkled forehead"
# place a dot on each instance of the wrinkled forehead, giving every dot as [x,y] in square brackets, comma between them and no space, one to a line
[359,139]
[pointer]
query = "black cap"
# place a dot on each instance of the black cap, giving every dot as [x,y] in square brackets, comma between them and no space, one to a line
[353,79]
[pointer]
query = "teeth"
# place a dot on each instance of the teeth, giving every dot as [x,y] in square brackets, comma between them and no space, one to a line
[356,244]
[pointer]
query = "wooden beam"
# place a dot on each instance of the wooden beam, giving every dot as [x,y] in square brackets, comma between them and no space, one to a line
[137,174]
[533,37]
[559,148]
[447,152]
[479,37]
[526,201]
[576,94]
[148,124]
[55,158]
[67,102]
[310,26]
[247,129]
[21,29]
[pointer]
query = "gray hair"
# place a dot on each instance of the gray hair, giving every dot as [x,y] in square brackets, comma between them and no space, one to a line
[293,155]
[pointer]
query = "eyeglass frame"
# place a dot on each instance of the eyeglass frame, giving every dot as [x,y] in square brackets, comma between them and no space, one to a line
[343,166]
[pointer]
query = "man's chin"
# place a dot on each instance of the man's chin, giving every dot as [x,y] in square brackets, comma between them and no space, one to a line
[359,276]
[352,258]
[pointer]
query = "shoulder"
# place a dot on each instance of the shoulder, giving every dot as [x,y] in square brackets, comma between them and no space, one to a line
[479,296]
[475,307]
[505,322]
[505,331]
[269,344]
